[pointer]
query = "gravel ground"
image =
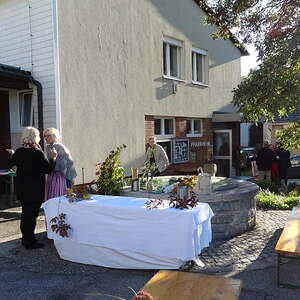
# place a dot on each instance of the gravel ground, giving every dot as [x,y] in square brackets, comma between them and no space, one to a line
[41,274]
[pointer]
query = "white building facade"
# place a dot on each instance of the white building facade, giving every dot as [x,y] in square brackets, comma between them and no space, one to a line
[116,72]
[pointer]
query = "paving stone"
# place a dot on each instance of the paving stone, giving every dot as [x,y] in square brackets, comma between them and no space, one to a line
[253,249]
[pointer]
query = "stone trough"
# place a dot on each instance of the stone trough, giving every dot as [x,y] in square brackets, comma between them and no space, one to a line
[232,201]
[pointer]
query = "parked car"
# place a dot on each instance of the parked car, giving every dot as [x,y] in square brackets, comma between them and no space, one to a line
[294,170]
[247,155]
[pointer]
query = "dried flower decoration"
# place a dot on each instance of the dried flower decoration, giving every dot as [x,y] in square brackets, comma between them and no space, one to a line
[59,226]
[154,203]
[142,295]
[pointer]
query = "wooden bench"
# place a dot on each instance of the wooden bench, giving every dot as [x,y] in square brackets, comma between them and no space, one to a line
[288,245]
[166,285]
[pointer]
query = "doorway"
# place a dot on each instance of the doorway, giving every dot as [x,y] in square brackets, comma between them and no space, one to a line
[222,152]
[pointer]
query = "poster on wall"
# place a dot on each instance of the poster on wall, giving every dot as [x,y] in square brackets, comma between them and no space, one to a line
[181,151]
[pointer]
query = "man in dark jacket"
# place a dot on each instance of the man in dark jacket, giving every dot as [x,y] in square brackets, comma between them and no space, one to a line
[264,160]
[284,161]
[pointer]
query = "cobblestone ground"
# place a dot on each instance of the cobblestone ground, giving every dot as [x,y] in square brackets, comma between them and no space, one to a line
[252,250]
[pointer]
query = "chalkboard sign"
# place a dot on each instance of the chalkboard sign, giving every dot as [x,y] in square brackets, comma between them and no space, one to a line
[181,151]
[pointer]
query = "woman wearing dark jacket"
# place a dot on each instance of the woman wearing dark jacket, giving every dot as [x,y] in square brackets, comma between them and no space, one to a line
[32,165]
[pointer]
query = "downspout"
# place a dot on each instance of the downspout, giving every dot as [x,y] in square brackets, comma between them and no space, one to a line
[40,105]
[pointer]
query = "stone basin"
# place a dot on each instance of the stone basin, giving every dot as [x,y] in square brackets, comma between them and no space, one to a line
[232,201]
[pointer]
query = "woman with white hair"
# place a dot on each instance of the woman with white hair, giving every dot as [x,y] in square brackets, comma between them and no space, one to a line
[64,172]
[32,165]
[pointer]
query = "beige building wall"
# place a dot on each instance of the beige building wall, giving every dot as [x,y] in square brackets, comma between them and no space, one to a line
[111,67]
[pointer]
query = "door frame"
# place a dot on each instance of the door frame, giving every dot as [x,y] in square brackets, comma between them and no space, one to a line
[229,157]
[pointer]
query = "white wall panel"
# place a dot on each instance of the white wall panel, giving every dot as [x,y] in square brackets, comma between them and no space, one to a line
[26,41]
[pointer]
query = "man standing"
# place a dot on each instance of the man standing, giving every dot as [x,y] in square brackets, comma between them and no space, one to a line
[264,160]
[284,162]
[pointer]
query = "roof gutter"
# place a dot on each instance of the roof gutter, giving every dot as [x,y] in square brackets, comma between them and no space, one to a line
[40,105]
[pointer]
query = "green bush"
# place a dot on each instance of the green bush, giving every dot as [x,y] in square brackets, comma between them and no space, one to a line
[111,177]
[267,199]
[266,184]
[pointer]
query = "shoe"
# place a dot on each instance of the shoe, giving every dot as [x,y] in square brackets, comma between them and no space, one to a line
[34,246]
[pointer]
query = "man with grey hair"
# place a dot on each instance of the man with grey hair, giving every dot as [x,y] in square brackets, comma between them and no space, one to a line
[264,160]
[156,155]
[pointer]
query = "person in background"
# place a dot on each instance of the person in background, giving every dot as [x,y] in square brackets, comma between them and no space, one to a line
[32,165]
[275,167]
[284,162]
[64,172]
[264,160]
[156,155]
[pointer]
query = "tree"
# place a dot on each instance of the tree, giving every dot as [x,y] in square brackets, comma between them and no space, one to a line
[272,89]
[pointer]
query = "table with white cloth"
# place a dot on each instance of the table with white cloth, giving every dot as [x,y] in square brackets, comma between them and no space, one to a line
[120,232]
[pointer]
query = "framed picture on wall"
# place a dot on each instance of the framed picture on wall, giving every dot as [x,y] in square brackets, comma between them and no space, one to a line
[180,151]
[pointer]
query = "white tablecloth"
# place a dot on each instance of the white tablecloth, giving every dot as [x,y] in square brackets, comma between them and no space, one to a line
[120,232]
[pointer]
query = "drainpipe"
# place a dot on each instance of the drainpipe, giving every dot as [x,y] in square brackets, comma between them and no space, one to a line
[40,105]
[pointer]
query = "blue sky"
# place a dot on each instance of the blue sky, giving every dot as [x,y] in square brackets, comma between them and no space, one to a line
[248,62]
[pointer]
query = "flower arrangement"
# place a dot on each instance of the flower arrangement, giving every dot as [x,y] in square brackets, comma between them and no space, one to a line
[78,193]
[59,226]
[110,174]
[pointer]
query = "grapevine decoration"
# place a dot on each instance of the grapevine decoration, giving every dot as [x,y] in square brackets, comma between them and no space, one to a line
[59,226]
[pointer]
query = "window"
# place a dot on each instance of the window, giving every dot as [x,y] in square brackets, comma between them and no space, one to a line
[199,66]
[26,109]
[164,127]
[194,127]
[172,58]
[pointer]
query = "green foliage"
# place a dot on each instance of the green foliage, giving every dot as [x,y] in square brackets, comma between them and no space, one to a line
[267,199]
[290,137]
[273,89]
[149,170]
[266,184]
[110,179]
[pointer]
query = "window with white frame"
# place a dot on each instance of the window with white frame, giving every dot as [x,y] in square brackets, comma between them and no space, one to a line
[172,63]
[26,109]
[164,127]
[199,66]
[193,127]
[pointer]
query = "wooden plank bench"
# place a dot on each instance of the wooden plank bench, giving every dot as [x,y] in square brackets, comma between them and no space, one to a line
[166,285]
[288,245]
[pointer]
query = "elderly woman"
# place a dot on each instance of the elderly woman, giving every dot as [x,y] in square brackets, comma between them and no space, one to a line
[157,156]
[32,165]
[64,172]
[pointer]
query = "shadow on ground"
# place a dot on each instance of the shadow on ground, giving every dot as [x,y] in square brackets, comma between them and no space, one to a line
[41,274]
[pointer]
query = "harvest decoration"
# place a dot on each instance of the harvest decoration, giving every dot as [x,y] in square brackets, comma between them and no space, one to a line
[185,202]
[180,203]
[59,226]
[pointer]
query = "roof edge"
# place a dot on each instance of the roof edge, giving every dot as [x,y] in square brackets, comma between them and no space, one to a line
[232,38]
